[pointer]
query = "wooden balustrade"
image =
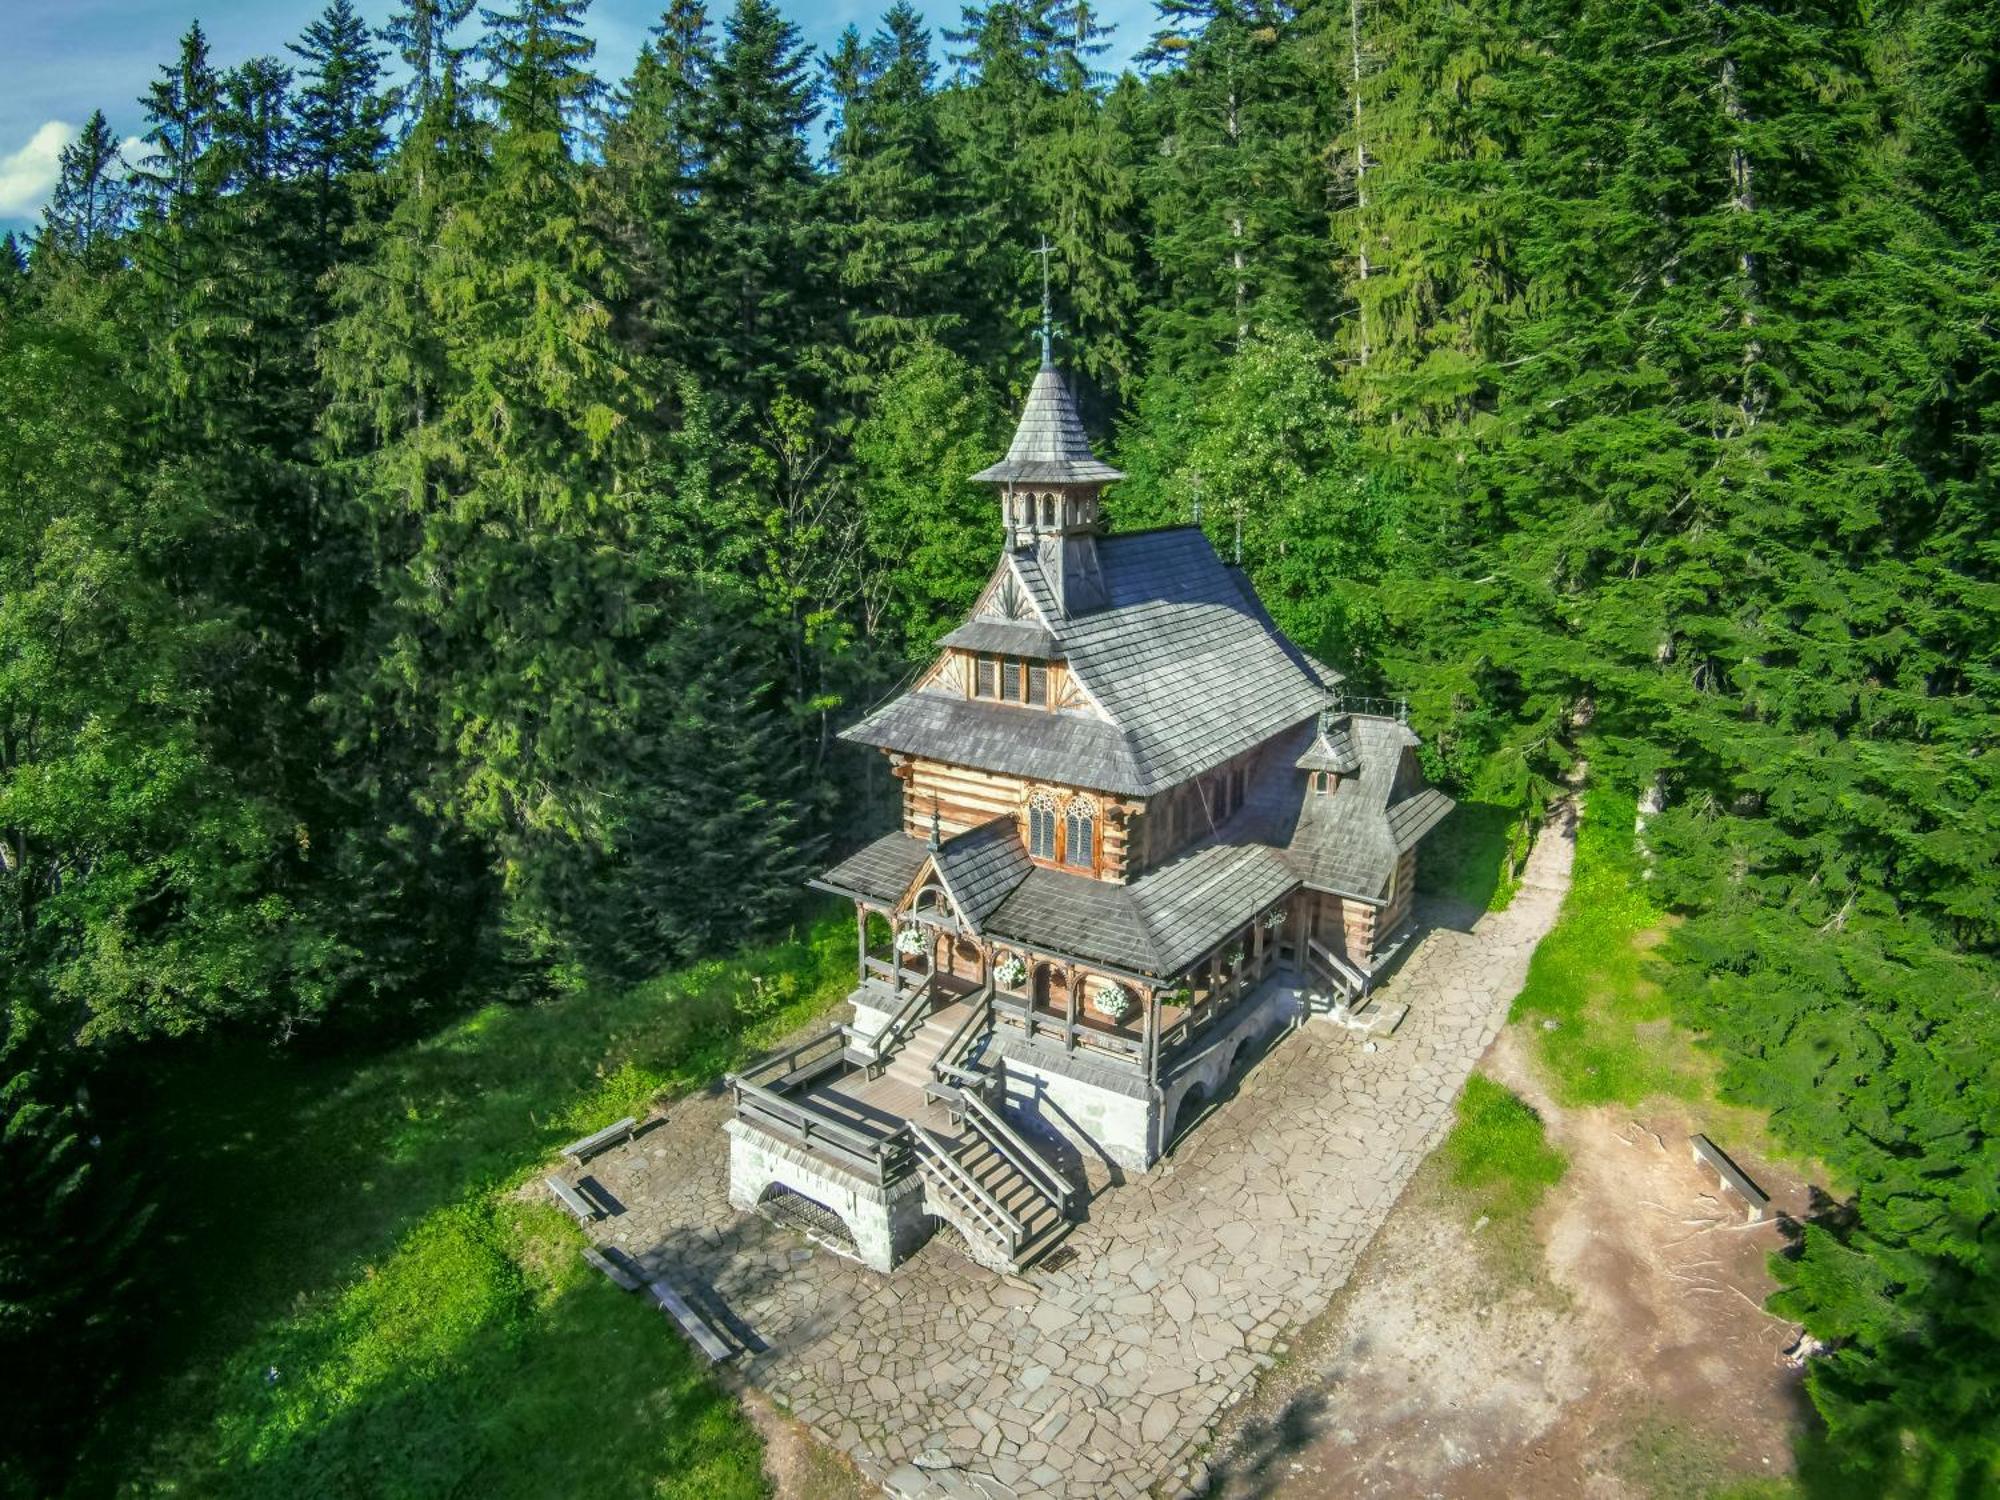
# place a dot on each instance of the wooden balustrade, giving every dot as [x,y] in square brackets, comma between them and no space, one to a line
[783,1070]
[881,1159]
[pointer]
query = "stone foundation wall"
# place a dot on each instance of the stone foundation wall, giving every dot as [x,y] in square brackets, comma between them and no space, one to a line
[887,1223]
[1117,1114]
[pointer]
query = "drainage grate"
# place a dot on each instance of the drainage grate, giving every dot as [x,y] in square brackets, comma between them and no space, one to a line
[1057,1259]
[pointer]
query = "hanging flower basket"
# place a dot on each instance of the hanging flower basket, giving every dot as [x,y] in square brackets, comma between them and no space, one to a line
[1010,973]
[911,942]
[1116,1002]
[1274,919]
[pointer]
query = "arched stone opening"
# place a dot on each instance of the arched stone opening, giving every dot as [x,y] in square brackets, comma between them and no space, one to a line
[809,1216]
[1193,1105]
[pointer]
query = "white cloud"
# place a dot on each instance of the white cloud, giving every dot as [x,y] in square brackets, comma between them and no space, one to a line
[27,174]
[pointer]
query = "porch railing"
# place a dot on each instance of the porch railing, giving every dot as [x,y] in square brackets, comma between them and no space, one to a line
[800,1063]
[880,1159]
[1022,1012]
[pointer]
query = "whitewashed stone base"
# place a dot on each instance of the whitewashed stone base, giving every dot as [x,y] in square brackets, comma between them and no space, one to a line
[1099,1106]
[888,1224]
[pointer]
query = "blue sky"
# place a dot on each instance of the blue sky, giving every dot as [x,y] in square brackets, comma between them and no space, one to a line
[60,59]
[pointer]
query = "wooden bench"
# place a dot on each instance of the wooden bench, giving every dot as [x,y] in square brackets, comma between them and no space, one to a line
[703,1337]
[614,1265]
[581,1151]
[1756,1201]
[568,1196]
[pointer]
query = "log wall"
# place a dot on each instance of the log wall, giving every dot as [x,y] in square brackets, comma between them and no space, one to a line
[966,798]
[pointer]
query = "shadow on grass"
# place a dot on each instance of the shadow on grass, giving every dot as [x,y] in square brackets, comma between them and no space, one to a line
[1465,859]
[286,1182]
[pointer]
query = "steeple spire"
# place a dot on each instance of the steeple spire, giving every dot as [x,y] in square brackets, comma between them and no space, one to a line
[1045,250]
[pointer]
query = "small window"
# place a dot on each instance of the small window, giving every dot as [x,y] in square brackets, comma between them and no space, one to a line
[1010,679]
[985,678]
[1038,684]
[1048,510]
[1042,826]
[1080,834]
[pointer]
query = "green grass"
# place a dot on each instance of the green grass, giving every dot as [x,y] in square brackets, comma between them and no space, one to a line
[1498,1155]
[1475,856]
[356,1303]
[1612,1041]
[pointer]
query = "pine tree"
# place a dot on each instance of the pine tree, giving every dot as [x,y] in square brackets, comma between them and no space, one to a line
[71,1226]
[1234,193]
[420,31]
[658,150]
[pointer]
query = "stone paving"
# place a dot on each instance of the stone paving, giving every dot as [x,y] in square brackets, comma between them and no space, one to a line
[1098,1378]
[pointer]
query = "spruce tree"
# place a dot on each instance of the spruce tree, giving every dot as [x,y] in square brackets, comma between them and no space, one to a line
[891,200]
[760,202]
[342,123]
[91,205]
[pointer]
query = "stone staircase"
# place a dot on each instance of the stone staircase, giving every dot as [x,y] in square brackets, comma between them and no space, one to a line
[1339,991]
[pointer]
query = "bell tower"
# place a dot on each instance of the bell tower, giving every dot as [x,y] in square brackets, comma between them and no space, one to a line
[1050,482]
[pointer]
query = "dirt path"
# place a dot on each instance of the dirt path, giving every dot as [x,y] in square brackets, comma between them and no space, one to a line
[1620,1351]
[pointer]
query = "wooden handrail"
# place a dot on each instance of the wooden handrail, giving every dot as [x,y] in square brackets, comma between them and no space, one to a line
[1024,1158]
[788,1062]
[946,1062]
[892,1032]
[965,1185]
[815,1128]
[1355,981]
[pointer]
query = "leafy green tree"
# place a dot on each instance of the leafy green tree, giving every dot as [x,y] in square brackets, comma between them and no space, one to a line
[1272,456]
[420,31]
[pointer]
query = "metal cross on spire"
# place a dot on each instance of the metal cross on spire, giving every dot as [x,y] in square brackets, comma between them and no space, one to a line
[1045,250]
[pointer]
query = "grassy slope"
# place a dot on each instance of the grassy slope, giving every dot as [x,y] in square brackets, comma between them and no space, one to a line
[1612,1041]
[357,1303]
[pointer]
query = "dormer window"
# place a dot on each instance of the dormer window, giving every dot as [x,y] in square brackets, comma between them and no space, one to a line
[1010,679]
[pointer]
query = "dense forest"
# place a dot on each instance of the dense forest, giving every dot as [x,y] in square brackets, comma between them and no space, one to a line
[452,500]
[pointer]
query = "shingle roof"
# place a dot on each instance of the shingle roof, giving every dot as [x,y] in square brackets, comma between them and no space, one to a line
[1050,446]
[1182,657]
[1332,748]
[881,871]
[981,866]
[1071,748]
[1347,840]
[1007,637]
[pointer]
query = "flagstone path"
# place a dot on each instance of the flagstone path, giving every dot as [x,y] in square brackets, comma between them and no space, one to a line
[1099,1378]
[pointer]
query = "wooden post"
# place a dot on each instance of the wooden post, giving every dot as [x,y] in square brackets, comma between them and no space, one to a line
[1071,991]
[1152,1039]
[1257,947]
[861,939]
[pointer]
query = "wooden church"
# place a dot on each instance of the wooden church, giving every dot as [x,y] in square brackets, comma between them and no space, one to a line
[1142,834]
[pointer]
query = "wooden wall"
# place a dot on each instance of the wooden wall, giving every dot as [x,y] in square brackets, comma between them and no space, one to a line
[966,798]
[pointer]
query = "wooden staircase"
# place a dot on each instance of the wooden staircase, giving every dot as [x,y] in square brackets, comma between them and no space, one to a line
[1338,990]
[911,1062]
[1002,1197]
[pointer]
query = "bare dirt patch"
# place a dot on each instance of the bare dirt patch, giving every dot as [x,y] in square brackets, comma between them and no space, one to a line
[798,1467]
[1617,1350]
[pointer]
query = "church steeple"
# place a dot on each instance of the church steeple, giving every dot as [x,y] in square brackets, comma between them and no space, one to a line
[1050,482]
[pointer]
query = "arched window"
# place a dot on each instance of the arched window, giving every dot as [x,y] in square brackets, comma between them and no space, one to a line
[1042,825]
[1080,833]
[1048,510]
